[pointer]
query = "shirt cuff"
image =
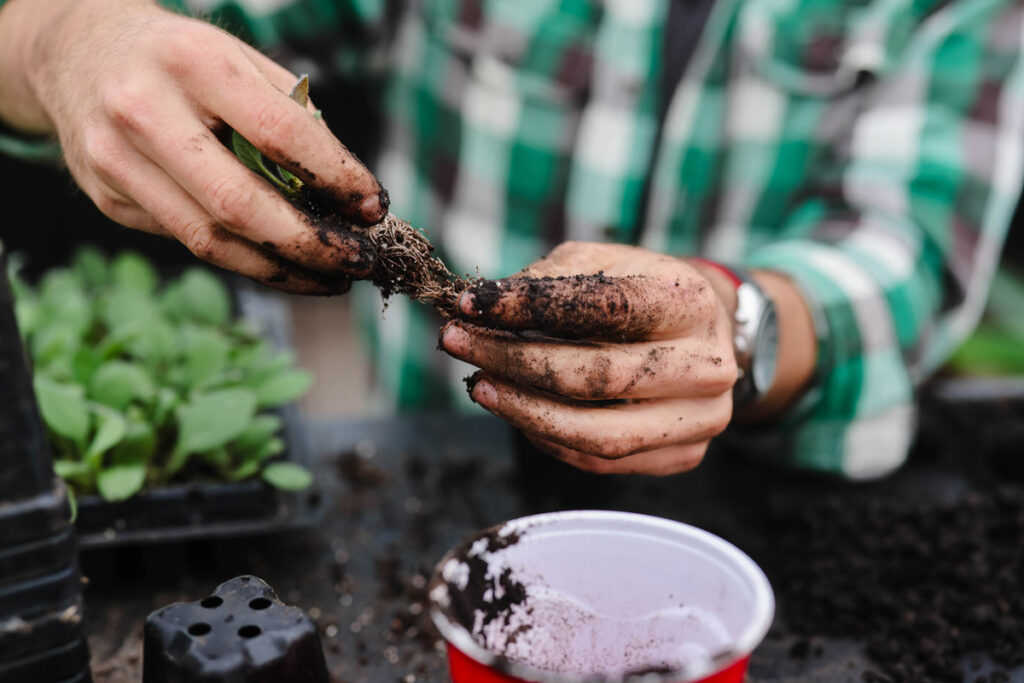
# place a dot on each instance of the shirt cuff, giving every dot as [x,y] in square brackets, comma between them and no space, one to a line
[38,150]
[858,418]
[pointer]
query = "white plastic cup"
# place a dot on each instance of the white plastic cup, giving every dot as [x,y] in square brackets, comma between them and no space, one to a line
[610,596]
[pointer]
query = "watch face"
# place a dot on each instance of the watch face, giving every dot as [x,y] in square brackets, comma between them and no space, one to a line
[765,356]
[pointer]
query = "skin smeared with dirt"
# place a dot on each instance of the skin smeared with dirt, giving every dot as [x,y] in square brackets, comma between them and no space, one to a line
[393,255]
[594,306]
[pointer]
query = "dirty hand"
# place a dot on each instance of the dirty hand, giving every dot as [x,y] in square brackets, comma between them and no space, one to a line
[138,96]
[626,369]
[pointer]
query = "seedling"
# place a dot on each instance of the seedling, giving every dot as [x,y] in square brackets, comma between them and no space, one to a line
[141,384]
[405,263]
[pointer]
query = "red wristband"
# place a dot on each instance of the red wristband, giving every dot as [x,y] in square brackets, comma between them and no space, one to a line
[724,270]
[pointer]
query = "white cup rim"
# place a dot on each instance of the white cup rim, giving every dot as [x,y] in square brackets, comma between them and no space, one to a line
[762,613]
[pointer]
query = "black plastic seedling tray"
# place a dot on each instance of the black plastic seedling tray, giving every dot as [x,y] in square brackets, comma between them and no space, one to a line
[213,509]
[204,510]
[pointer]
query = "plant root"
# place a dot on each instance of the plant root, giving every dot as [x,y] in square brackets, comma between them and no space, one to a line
[406,265]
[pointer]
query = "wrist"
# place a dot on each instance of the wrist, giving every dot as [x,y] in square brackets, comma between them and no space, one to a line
[798,350]
[797,341]
[40,42]
[28,30]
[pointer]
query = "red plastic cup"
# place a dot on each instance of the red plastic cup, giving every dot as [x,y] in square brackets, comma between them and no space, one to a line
[593,596]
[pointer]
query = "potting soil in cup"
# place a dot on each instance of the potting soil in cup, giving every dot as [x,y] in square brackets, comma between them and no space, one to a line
[518,615]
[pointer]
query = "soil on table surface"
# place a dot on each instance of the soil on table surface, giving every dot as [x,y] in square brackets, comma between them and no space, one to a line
[915,578]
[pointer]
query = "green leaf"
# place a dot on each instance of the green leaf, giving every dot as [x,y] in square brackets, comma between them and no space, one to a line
[55,341]
[15,264]
[84,364]
[64,302]
[133,272]
[287,476]
[74,470]
[118,383]
[254,160]
[91,266]
[166,401]
[989,351]
[156,342]
[137,446]
[269,448]
[73,505]
[1004,302]
[262,427]
[205,297]
[127,310]
[247,153]
[247,469]
[63,408]
[109,432]
[26,314]
[211,420]
[283,387]
[217,458]
[115,343]
[121,481]
[262,366]
[206,354]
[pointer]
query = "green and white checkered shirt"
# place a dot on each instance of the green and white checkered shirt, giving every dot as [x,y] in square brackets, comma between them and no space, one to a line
[871,149]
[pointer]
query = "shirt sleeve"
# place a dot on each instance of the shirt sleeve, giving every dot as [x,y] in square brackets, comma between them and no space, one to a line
[896,253]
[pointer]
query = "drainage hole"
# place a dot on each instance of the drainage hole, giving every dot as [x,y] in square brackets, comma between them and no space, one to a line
[199,629]
[212,601]
[259,603]
[249,631]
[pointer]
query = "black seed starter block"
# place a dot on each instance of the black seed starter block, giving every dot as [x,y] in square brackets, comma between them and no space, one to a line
[241,633]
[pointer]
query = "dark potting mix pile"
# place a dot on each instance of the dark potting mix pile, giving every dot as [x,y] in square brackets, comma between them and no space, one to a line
[929,583]
[925,586]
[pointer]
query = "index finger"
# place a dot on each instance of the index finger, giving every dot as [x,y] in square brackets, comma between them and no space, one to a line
[591,306]
[292,137]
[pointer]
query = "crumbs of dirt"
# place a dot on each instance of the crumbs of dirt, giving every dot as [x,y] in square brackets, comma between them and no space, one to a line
[491,596]
[360,471]
[928,584]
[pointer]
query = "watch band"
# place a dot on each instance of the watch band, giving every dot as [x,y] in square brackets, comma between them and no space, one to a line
[721,268]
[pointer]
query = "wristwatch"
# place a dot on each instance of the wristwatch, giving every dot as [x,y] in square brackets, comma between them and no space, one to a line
[755,336]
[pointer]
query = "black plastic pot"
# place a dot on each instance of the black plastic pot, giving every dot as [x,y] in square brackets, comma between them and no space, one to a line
[40,603]
[241,633]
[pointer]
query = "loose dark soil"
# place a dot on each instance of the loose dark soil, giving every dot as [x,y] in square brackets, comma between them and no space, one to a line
[927,583]
[492,596]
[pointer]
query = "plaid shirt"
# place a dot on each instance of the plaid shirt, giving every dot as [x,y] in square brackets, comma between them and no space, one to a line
[870,149]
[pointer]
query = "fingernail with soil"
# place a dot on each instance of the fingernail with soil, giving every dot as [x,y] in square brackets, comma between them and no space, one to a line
[373,209]
[467,305]
[455,340]
[485,394]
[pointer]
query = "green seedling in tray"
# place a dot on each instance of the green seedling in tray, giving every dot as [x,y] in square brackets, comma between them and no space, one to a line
[143,384]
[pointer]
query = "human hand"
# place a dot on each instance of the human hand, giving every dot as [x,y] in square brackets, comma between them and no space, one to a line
[628,368]
[138,95]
